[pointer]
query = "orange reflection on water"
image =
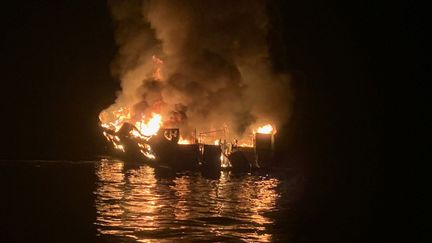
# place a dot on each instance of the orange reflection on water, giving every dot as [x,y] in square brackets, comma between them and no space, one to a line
[137,205]
[182,191]
[125,202]
[140,200]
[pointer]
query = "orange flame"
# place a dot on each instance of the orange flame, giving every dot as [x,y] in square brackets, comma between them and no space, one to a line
[147,127]
[114,119]
[121,115]
[249,144]
[266,129]
[184,141]
[151,127]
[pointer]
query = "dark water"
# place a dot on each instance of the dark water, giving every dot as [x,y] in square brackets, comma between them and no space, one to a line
[108,201]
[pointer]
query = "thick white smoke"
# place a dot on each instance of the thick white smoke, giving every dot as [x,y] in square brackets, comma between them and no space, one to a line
[216,69]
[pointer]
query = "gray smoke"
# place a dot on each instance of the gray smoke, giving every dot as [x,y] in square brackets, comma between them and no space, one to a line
[216,69]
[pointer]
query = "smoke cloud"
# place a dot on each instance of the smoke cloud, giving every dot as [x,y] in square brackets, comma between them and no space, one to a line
[216,69]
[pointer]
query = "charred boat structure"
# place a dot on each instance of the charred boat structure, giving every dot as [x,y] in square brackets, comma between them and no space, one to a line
[166,149]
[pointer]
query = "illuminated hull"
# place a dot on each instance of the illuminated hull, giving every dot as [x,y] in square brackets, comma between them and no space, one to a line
[159,151]
[178,157]
[163,151]
[131,153]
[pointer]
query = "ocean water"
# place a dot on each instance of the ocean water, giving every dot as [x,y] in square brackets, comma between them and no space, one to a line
[109,201]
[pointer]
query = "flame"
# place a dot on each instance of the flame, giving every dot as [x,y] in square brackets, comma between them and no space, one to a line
[114,119]
[121,116]
[147,151]
[266,129]
[246,144]
[184,141]
[118,146]
[151,127]
[145,127]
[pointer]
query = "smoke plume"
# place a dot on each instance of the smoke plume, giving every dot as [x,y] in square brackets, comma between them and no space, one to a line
[201,64]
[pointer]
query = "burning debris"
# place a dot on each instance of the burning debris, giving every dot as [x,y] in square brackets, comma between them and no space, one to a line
[198,66]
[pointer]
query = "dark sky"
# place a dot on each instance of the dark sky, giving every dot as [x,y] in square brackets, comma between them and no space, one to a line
[354,66]
[56,77]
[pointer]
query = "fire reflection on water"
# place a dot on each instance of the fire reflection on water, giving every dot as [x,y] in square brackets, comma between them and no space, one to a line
[135,205]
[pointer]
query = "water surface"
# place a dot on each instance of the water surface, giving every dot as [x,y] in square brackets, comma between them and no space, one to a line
[107,200]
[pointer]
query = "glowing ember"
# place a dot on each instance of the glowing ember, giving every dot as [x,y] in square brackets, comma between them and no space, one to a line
[148,154]
[266,129]
[146,150]
[119,147]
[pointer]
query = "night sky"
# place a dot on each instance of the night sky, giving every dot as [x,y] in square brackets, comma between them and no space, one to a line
[56,78]
[352,65]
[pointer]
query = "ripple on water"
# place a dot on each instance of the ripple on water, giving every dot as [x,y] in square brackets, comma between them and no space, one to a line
[135,205]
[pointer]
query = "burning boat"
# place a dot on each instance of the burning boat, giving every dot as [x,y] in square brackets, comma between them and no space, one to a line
[144,127]
[195,88]
[147,142]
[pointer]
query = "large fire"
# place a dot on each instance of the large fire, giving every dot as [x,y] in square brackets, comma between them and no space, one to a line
[148,127]
[141,127]
[151,127]
[145,127]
